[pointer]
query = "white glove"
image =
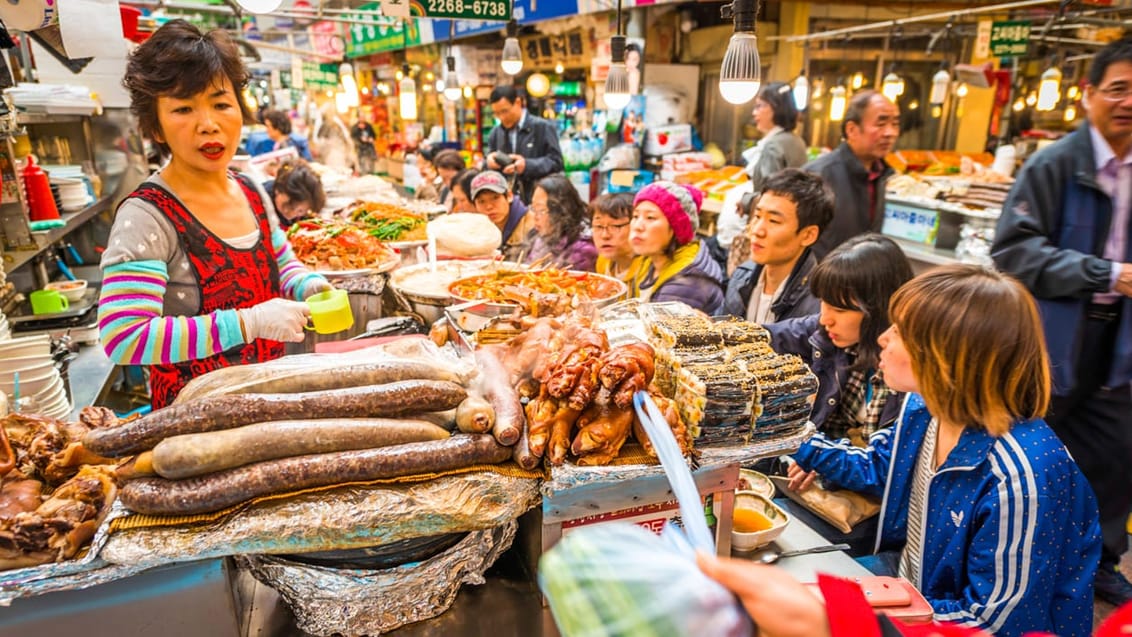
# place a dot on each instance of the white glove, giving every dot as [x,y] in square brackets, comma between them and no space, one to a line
[316,286]
[275,320]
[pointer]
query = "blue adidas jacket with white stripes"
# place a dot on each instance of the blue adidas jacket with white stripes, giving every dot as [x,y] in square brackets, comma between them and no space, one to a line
[1011,537]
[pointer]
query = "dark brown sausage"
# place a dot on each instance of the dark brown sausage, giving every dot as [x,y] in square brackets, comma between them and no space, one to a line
[227,412]
[158,496]
[495,382]
[475,415]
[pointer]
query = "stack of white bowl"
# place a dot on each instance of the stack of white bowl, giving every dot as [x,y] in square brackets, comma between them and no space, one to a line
[28,364]
[73,194]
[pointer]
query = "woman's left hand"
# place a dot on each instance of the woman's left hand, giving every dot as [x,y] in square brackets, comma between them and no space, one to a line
[800,479]
[317,286]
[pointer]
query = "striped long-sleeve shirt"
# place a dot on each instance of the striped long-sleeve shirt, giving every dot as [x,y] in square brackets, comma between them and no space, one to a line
[149,301]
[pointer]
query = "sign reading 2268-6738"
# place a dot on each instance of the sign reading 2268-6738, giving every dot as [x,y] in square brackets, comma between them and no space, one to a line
[462,9]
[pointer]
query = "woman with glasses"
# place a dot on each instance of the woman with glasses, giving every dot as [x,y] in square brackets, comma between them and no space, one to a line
[296,192]
[612,214]
[776,117]
[560,237]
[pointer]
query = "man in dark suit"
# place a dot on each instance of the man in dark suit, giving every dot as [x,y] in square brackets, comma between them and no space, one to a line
[530,142]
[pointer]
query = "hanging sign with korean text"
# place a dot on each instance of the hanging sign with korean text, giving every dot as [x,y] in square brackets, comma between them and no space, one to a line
[462,9]
[1009,39]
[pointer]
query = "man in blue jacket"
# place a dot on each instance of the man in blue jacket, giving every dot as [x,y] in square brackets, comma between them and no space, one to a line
[793,211]
[1064,232]
[530,143]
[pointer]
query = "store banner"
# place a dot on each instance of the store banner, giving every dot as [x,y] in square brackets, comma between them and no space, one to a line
[1009,39]
[523,11]
[372,33]
[317,76]
[326,39]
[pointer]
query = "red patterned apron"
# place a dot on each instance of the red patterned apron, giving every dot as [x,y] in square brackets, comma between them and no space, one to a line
[228,278]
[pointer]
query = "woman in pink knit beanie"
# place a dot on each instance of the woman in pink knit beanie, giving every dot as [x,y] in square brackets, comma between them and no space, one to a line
[679,267]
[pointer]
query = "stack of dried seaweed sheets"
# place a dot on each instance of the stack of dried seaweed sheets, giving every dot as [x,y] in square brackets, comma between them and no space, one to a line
[730,386]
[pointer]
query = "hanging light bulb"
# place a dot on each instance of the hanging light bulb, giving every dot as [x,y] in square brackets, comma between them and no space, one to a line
[512,61]
[739,75]
[407,95]
[937,111]
[1031,99]
[818,88]
[801,92]
[1019,104]
[940,81]
[961,90]
[893,86]
[1049,91]
[349,84]
[538,85]
[559,69]
[1073,92]
[837,103]
[1070,113]
[259,6]
[913,105]
[617,81]
[451,83]
[468,92]
[857,81]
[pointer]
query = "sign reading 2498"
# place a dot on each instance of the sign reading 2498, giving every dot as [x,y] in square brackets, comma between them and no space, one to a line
[463,9]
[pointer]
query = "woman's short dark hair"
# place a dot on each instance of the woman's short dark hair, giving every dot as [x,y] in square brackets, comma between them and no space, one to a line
[862,274]
[568,213]
[449,159]
[296,180]
[617,205]
[780,98]
[463,179]
[280,121]
[180,61]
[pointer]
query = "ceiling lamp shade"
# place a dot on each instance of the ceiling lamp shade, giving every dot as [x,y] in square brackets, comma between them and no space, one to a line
[259,6]
[837,103]
[801,92]
[740,73]
[512,61]
[940,81]
[1049,91]
[407,96]
[858,80]
[452,90]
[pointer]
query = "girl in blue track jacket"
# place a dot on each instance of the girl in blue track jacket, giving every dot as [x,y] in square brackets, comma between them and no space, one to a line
[996,525]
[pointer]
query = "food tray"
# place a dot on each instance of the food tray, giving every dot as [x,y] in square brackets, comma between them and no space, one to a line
[613,283]
[384,266]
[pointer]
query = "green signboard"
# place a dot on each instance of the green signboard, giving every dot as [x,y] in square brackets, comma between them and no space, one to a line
[371,33]
[320,76]
[462,9]
[1009,39]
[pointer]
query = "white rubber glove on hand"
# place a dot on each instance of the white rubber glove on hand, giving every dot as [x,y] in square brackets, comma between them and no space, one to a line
[316,286]
[275,320]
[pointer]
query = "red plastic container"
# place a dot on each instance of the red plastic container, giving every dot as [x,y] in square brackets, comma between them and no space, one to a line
[41,205]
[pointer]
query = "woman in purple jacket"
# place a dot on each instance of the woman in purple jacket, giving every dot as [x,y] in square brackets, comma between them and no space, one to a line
[561,236]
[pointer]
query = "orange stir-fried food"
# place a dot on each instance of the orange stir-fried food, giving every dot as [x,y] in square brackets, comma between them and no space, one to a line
[497,287]
[337,245]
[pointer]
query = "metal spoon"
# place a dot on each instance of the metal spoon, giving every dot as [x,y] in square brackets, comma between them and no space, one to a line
[770,557]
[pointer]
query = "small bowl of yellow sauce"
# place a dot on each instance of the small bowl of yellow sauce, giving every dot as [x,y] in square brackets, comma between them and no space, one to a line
[756,521]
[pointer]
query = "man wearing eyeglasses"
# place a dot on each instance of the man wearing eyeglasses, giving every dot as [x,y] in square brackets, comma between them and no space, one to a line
[1064,232]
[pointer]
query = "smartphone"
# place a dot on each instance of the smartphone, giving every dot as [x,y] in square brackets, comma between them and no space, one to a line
[892,596]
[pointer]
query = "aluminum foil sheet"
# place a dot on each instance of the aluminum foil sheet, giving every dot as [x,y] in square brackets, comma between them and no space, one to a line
[570,475]
[343,518]
[328,601]
[86,571]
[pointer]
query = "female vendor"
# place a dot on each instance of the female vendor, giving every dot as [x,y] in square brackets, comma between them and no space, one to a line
[854,284]
[561,236]
[982,507]
[197,274]
[676,266]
